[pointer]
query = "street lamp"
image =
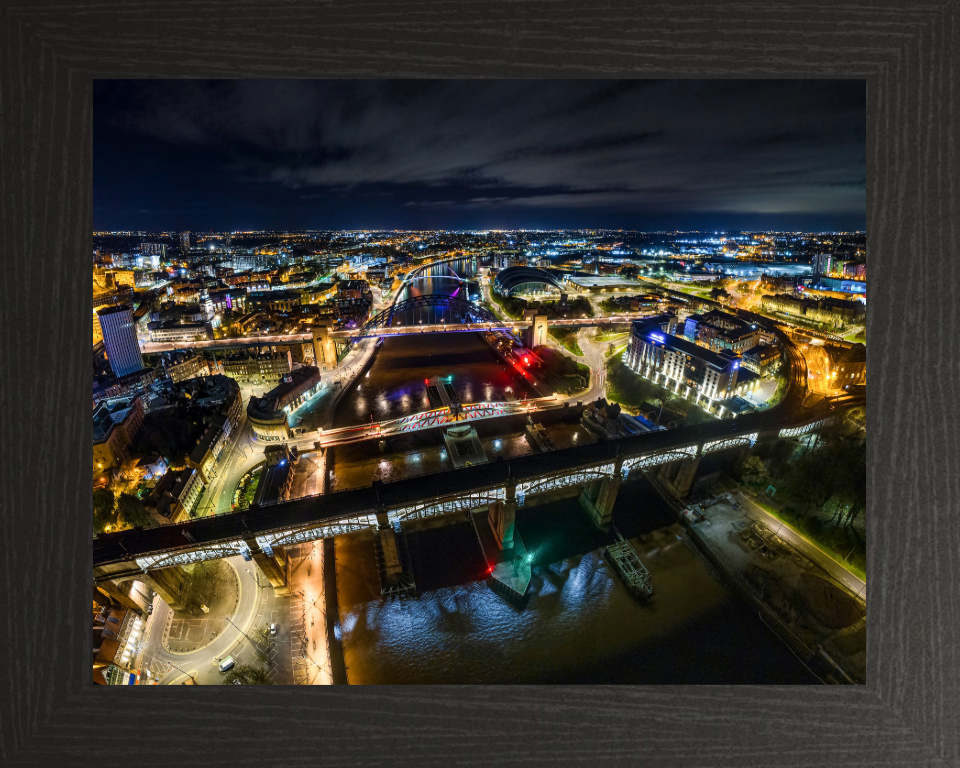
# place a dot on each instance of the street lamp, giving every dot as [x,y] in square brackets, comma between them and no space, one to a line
[185,673]
[256,578]
[239,630]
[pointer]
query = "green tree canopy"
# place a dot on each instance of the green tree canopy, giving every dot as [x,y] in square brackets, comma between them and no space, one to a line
[103,509]
[247,674]
[719,294]
[754,473]
[132,513]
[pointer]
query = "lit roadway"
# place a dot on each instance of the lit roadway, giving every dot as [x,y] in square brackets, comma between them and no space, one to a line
[257,606]
[245,452]
[594,359]
[810,550]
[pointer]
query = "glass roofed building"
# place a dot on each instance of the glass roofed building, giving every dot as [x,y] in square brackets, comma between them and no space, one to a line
[517,281]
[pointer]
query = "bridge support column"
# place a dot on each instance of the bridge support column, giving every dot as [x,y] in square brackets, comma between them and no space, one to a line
[324,348]
[123,596]
[274,566]
[601,508]
[536,336]
[677,476]
[168,583]
[503,518]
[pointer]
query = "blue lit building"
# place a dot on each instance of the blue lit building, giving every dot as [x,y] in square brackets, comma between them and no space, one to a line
[687,368]
[120,339]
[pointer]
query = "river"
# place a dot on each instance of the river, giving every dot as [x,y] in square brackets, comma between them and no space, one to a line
[580,624]
[395,384]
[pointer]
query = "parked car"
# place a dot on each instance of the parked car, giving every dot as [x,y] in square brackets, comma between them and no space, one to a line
[227,664]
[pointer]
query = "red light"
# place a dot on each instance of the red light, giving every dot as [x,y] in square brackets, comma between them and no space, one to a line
[526,361]
[490,569]
[426,381]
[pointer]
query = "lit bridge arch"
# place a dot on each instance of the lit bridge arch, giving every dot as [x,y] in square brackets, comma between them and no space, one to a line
[453,310]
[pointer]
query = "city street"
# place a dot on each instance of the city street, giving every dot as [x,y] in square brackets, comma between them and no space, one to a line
[308,623]
[258,605]
[593,357]
[245,452]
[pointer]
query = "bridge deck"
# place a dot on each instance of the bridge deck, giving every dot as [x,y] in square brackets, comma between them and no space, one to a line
[125,545]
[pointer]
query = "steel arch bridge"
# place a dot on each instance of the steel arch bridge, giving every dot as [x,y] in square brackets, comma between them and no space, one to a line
[456,311]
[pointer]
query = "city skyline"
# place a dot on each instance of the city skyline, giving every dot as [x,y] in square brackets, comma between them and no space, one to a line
[391,379]
[406,155]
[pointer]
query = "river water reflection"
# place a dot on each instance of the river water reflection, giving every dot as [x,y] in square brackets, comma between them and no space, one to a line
[396,386]
[580,624]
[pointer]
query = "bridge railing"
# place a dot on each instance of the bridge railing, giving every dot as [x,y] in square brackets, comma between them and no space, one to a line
[114,549]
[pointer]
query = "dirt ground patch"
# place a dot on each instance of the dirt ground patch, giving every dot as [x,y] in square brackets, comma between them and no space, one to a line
[828,603]
[855,642]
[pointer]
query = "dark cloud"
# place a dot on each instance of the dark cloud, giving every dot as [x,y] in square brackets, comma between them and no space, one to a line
[229,154]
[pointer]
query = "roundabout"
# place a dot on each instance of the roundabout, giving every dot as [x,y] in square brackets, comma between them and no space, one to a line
[213,598]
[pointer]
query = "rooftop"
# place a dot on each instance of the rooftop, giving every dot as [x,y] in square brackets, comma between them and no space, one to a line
[509,278]
[269,404]
[587,281]
[114,310]
[649,328]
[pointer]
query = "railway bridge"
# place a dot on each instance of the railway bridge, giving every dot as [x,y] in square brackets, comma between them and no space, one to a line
[593,472]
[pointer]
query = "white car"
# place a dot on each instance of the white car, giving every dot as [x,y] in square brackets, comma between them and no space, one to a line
[227,664]
[273,629]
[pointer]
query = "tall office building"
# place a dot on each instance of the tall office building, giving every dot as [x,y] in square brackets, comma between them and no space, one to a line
[184,241]
[154,249]
[823,264]
[120,339]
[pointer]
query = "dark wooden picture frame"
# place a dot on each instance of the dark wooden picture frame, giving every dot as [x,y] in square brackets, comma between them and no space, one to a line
[908,53]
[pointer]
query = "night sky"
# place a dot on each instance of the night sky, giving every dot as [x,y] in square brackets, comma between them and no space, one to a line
[421,154]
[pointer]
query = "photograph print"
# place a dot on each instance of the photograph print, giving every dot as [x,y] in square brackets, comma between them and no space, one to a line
[479,382]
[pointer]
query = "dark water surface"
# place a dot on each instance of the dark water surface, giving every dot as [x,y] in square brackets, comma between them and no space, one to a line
[580,624]
[396,385]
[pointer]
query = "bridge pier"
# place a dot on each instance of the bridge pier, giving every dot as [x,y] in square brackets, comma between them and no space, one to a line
[324,348]
[536,335]
[168,583]
[274,566]
[113,590]
[503,518]
[677,476]
[600,508]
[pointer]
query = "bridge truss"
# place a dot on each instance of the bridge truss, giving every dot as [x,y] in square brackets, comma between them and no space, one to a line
[441,416]
[806,428]
[212,552]
[455,311]
[730,442]
[652,460]
[458,503]
[332,528]
[577,477]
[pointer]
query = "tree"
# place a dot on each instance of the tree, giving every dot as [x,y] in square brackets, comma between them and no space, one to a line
[850,498]
[663,396]
[103,506]
[823,469]
[206,580]
[247,674]
[754,472]
[719,294]
[132,513]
